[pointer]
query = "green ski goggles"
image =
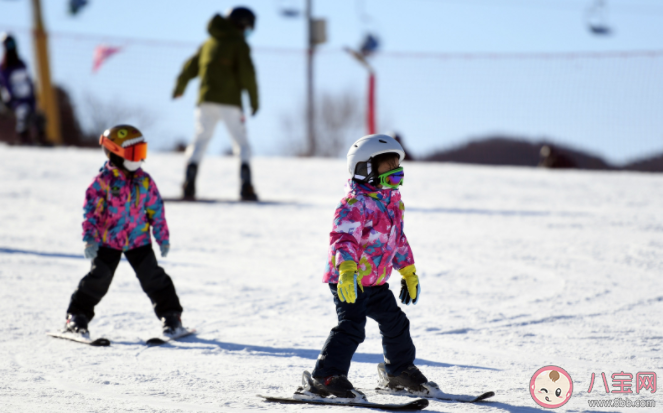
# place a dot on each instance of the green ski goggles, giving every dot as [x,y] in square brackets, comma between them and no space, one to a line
[392,179]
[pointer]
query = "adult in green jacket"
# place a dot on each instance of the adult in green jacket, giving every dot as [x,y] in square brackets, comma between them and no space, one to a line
[223,64]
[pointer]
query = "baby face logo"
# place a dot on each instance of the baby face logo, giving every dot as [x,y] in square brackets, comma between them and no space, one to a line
[551,387]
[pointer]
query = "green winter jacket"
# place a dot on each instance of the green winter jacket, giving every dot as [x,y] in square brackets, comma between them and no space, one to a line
[224,65]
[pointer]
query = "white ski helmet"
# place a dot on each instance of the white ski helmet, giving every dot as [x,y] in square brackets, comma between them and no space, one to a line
[365,149]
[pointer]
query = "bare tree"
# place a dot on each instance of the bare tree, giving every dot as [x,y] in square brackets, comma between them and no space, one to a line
[101,115]
[339,119]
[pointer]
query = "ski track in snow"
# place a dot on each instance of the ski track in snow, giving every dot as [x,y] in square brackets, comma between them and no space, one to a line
[520,268]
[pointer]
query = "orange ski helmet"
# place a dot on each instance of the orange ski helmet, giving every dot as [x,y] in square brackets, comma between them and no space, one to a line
[125,141]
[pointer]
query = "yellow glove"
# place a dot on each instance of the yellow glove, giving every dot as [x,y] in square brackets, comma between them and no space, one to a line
[410,287]
[347,282]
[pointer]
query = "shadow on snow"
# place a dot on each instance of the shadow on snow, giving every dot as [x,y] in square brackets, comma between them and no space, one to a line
[74,256]
[528,409]
[42,254]
[309,353]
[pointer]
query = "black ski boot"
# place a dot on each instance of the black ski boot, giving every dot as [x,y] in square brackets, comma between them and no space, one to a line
[189,186]
[411,379]
[338,386]
[76,323]
[171,324]
[246,193]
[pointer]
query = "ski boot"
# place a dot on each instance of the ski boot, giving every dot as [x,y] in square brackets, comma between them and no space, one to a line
[336,386]
[171,324]
[76,323]
[247,193]
[411,379]
[189,185]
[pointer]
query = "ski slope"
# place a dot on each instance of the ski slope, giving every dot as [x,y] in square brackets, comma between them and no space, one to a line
[520,268]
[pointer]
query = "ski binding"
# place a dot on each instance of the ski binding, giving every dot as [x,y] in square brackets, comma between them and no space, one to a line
[180,333]
[431,391]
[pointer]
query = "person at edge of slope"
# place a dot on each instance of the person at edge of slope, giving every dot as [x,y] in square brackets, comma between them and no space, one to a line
[366,242]
[225,68]
[17,93]
[120,206]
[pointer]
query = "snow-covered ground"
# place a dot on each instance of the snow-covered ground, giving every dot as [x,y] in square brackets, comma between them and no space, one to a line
[520,268]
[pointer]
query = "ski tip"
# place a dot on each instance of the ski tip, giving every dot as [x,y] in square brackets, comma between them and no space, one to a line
[419,404]
[155,342]
[285,400]
[101,342]
[484,396]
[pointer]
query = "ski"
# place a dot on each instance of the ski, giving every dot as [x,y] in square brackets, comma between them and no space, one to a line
[304,395]
[432,391]
[415,405]
[158,341]
[81,338]
[436,394]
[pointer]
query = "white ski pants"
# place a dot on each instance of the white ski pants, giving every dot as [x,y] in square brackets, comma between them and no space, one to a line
[207,115]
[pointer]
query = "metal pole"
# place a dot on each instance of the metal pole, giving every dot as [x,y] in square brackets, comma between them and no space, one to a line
[310,110]
[47,99]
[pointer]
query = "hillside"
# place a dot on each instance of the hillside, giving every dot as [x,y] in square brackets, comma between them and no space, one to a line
[516,152]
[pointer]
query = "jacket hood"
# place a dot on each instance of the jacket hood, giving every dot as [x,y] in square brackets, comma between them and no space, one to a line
[221,28]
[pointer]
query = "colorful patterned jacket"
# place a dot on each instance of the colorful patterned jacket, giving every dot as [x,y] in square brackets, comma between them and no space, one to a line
[119,210]
[368,229]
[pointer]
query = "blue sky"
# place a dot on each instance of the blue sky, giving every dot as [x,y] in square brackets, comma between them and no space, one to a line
[608,105]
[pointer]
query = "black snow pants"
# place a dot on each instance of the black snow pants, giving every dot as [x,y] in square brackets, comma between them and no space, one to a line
[153,279]
[379,304]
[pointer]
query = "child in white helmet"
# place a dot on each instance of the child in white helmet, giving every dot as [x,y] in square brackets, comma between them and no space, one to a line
[367,241]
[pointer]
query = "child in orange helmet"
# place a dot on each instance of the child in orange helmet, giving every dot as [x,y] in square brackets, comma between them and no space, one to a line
[121,205]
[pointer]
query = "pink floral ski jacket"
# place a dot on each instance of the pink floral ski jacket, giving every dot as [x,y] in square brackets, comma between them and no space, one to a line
[119,210]
[368,229]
